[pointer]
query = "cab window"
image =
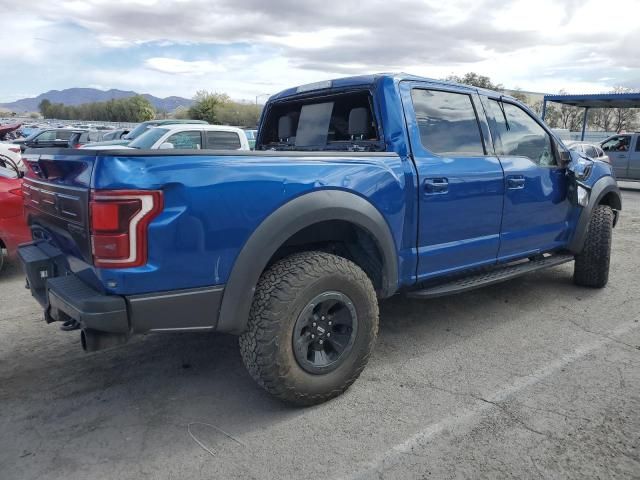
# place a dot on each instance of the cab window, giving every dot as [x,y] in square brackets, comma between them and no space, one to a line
[516,133]
[186,140]
[223,140]
[48,136]
[617,144]
[447,122]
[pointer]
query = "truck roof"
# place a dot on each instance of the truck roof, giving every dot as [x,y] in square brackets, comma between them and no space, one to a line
[368,80]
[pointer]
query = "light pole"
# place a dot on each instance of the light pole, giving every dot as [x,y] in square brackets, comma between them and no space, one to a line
[262,95]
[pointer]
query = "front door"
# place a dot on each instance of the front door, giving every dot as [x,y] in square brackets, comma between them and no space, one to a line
[460,185]
[617,149]
[536,205]
[634,159]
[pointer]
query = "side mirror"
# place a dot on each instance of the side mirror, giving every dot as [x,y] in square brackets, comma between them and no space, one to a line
[166,146]
[564,158]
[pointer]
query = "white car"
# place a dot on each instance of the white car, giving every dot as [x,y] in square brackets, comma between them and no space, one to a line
[185,137]
[592,151]
[10,152]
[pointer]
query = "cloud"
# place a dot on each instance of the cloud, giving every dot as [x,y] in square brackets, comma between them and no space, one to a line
[182,67]
[254,46]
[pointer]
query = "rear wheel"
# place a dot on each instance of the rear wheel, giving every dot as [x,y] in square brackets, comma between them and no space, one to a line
[312,327]
[592,264]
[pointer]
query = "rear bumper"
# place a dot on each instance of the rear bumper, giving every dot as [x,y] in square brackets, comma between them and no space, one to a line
[63,296]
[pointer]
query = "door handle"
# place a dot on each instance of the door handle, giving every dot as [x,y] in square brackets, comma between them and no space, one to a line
[515,182]
[436,185]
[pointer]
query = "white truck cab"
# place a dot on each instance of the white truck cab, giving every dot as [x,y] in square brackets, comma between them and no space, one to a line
[185,137]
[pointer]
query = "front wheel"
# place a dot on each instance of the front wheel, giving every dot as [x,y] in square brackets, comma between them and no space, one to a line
[592,264]
[312,327]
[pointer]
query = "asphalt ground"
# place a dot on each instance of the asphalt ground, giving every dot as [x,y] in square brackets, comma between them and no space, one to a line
[534,378]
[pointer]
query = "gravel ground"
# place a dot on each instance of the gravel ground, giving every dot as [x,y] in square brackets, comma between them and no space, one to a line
[534,378]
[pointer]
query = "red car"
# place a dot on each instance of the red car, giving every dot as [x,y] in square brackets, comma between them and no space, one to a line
[13,227]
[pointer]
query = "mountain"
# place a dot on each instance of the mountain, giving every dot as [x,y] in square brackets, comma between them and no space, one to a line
[77,96]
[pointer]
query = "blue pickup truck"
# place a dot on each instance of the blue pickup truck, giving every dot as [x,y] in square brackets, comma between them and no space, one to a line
[359,189]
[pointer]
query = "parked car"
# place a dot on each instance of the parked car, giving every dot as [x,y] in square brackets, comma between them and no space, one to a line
[10,155]
[185,137]
[13,226]
[48,138]
[143,127]
[116,134]
[624,153]
[360,188]
[80,138]
[590,150]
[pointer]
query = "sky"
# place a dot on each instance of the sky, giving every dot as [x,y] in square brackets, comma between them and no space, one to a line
[249,48]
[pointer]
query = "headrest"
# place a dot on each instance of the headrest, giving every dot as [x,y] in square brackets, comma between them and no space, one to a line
[285,127]
[359,121]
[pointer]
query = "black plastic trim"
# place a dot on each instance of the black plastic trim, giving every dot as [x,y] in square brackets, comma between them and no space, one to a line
[94,310]
[64,295]
[289,219]
[193,309]
[204,153]
[601,188]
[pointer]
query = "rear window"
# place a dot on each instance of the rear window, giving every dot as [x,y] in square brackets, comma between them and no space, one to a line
[333,122]
[223,140]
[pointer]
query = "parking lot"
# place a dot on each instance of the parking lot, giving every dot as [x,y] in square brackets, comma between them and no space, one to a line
[534,378]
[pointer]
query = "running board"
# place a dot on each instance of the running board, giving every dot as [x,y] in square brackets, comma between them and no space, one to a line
[484,278]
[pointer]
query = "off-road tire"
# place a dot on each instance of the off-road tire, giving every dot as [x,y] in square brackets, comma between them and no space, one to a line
[282,293]
[592,264]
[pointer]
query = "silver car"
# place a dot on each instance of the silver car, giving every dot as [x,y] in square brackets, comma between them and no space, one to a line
[590,150]
[624,152]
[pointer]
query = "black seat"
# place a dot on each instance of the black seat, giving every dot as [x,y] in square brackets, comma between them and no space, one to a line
[359,123]
[285,129]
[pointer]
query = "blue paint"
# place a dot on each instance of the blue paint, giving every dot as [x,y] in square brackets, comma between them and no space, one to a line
[213,203]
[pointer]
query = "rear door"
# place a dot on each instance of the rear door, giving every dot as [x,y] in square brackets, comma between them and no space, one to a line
[461,185]
[536,204]
[617,149]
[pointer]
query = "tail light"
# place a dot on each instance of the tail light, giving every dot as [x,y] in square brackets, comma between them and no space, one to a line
[77,145]
[119,226]
[15,149]
[17,191]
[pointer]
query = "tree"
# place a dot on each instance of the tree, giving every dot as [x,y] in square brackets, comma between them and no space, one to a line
[206,106]
[140,108]
[615,119]
[520,95]
[181,112]
[44,107]
[131,109]
[475,80]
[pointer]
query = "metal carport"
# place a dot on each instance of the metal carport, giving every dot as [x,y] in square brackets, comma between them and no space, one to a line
[599,100]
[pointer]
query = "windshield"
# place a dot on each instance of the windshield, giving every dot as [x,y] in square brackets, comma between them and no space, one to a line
[148,139]
[136,132]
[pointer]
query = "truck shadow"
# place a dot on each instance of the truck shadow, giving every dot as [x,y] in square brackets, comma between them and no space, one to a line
[167,381]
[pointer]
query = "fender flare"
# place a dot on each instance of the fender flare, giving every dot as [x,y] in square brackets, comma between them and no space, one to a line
[279,226]
[602,187]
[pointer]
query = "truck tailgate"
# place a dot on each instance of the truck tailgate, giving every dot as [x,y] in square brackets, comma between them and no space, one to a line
[56,191]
